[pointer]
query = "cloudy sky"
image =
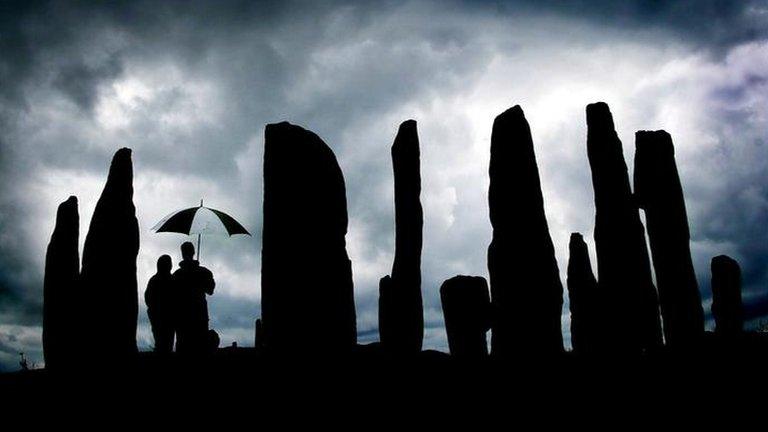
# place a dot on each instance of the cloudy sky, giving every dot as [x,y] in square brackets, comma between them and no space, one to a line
[190,86]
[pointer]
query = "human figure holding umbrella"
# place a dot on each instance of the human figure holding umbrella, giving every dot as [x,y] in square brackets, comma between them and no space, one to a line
[192,283]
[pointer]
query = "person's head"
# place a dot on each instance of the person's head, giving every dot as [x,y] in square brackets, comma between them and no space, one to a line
[164,264]
[187,251]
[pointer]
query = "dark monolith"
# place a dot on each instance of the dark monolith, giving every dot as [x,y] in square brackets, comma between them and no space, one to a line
[727,307]
[258,337]
[660,194]
[62,270]
[109,290]
[386,313]
[583,298]
[526,292]
[306,275]
[466,310]
[623,266]
[403,320]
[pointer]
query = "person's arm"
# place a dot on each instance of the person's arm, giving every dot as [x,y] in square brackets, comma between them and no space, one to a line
[210,284]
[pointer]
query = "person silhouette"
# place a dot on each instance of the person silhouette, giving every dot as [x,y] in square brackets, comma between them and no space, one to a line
[192,283]
[159,298]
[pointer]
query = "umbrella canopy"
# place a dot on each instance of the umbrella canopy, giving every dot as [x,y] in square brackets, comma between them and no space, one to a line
[198,221]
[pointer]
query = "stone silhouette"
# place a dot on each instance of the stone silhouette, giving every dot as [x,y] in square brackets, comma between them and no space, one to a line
[401,316]
[160,298]
[467,313]
[110,297]
[386,311]
[60,288]
[584,299]
[526,292]
[659,193]
[623,266]
[727,307]
[307,292]
[258,336]
[192,283]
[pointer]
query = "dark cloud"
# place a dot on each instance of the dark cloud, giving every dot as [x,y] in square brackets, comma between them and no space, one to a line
[711,23]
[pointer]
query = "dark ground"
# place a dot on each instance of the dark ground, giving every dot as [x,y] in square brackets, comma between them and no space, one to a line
[709,380]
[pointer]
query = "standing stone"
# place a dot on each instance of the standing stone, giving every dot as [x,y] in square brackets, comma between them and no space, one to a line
[583,298]
[727,308]
[623,265]
[386,313]
[62,269]
[110,294]
[306,277]
[466,310]
[526,292]
[659,193]
[258,337]
[402,308]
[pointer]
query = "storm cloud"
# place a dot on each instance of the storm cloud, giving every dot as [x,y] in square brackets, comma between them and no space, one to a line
[190,85]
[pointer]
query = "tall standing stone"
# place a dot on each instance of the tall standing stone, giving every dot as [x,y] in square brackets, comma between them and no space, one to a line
[466,310]
[526,292]
[62,270]
[401,322]
[659,193]
[387,316]
[623,265]
[583,298]
[109,290]
[306,276]
[258,337]
[727,307]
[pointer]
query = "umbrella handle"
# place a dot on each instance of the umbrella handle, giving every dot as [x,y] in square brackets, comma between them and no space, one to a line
[199,251]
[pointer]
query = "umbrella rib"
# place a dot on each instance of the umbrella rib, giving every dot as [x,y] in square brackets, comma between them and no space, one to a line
[180,222]
[232,226]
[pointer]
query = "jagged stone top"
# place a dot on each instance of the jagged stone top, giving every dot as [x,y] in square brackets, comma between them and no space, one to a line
[657,142]
[511,122]
[725,261]
[466,277]
[406,145]
[304,163]
[121,171]
[512,125]
[514,113]
[298,135]
[66,209]
[407,127]
[599,116]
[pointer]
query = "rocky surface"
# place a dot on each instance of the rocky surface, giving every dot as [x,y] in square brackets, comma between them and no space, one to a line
[307,291]
[584,299]
[109,291]
[60,288]
[632,322]
[466,310]
[659,193]
[402,327]
[727,307]
[526,292]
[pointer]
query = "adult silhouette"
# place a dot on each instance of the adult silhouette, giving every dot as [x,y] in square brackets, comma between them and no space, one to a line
[159,298]
[192,283]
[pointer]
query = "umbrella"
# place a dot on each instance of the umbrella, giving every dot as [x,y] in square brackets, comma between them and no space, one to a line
[200,220]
